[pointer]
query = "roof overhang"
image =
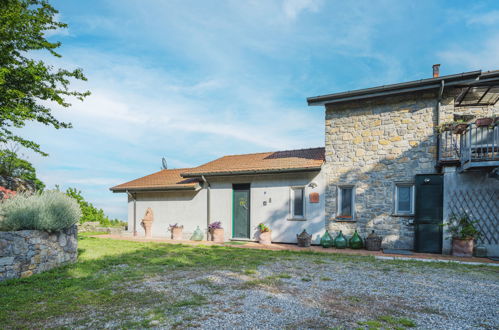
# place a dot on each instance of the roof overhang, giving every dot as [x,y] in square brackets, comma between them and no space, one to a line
[466,78]
[195,187]
[483,92]
[250,172]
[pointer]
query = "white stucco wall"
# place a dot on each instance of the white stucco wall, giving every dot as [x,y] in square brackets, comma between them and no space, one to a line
[189,208]
[276,213]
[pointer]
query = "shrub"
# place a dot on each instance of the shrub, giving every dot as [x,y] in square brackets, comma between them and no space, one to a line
[50,210]
[90,212]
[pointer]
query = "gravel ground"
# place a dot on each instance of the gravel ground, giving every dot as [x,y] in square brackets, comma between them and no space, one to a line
[314,292]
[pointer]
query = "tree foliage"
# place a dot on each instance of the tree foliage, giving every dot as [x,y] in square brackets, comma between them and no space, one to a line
[13,166]
[90,212]
[27,86]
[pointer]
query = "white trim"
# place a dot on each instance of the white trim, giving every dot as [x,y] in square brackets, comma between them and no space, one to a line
[292,216]
[338,206]
[395,198]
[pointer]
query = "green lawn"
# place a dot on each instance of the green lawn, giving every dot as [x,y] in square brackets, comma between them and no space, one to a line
[106,269]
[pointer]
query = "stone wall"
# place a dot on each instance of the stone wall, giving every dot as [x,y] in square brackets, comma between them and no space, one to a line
[372,145]
[27,252]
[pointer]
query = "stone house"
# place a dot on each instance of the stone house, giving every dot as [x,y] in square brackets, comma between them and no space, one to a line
[240,191]
[388,165]
[389,169]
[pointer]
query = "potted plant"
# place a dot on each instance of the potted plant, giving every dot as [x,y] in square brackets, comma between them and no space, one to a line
[176,231]
[463,232]
[484,122]
[216,232]
[459,126]
[265,236]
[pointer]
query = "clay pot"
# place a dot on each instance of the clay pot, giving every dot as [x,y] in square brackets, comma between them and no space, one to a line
[484,122]
[217,235]
[460,128]
[265,238]
[462,247]
[176,233]
[147,225]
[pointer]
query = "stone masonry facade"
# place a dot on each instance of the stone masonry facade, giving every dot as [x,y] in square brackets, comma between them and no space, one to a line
[27,252]
[373,145]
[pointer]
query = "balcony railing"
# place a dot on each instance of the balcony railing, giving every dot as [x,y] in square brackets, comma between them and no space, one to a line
[476,146]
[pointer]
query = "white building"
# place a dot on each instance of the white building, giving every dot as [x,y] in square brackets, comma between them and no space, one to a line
[284,190]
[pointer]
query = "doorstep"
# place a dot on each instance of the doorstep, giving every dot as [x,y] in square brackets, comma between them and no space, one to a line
[243,239]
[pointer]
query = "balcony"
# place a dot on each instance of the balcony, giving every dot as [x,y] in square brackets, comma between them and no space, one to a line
[470,147]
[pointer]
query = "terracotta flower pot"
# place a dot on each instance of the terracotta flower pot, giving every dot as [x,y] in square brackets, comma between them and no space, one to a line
[147,225]
[462,247]
[265,238]
[460,128]
[484,122]
[217,235]
[176,233]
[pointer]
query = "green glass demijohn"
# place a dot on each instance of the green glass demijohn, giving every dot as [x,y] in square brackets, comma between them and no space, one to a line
[340,241]
[326,240]
[197,235]
[356,241]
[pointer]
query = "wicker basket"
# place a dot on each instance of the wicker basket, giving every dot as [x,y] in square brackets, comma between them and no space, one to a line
[304,239]
[373,242]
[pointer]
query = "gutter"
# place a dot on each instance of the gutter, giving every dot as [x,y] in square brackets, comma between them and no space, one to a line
[400,88]
[229,173]
[134,213]
[155,189]
[208,210]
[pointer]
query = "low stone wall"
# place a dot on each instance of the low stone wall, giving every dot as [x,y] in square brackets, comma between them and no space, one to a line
[96,226]
[27,252]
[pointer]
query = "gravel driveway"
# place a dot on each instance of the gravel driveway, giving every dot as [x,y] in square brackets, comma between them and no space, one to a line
[321,292]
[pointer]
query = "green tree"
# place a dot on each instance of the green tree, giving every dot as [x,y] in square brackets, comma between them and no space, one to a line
[27,86]
[13,166]
[90,212]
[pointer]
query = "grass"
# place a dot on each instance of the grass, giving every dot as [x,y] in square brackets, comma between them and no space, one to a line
[96,289]
[389,322]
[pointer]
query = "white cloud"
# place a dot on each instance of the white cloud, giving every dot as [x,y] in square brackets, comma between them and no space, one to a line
[293,8]
[481,56]
[488,18]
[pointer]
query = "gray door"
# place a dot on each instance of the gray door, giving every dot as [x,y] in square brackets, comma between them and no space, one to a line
[241,211]
[429,213]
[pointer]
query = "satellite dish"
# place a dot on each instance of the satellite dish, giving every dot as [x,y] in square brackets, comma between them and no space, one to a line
[164,164]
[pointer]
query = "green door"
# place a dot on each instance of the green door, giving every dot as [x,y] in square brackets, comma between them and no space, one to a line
[429,213]
[241,211]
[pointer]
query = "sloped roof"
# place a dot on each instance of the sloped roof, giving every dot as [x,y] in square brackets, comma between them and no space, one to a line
[162,180]
[469,79]
[265,162]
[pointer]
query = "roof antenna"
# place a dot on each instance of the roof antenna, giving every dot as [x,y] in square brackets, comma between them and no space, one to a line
[164,165]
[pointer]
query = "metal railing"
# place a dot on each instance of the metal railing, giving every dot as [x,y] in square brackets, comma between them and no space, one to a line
[474,144]
[479,144]
[449,146]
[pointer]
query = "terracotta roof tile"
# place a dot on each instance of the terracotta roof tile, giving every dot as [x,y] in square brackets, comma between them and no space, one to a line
[164,179]
[184,178]
[278,161]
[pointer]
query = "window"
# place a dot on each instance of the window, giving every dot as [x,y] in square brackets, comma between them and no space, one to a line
[298,202]
[404,198]
[346,202]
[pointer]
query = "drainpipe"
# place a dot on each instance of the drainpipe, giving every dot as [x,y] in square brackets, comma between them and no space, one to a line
[440,96]
[208,213]
[134,213]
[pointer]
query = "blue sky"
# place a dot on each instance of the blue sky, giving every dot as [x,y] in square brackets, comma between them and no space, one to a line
[194,80]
